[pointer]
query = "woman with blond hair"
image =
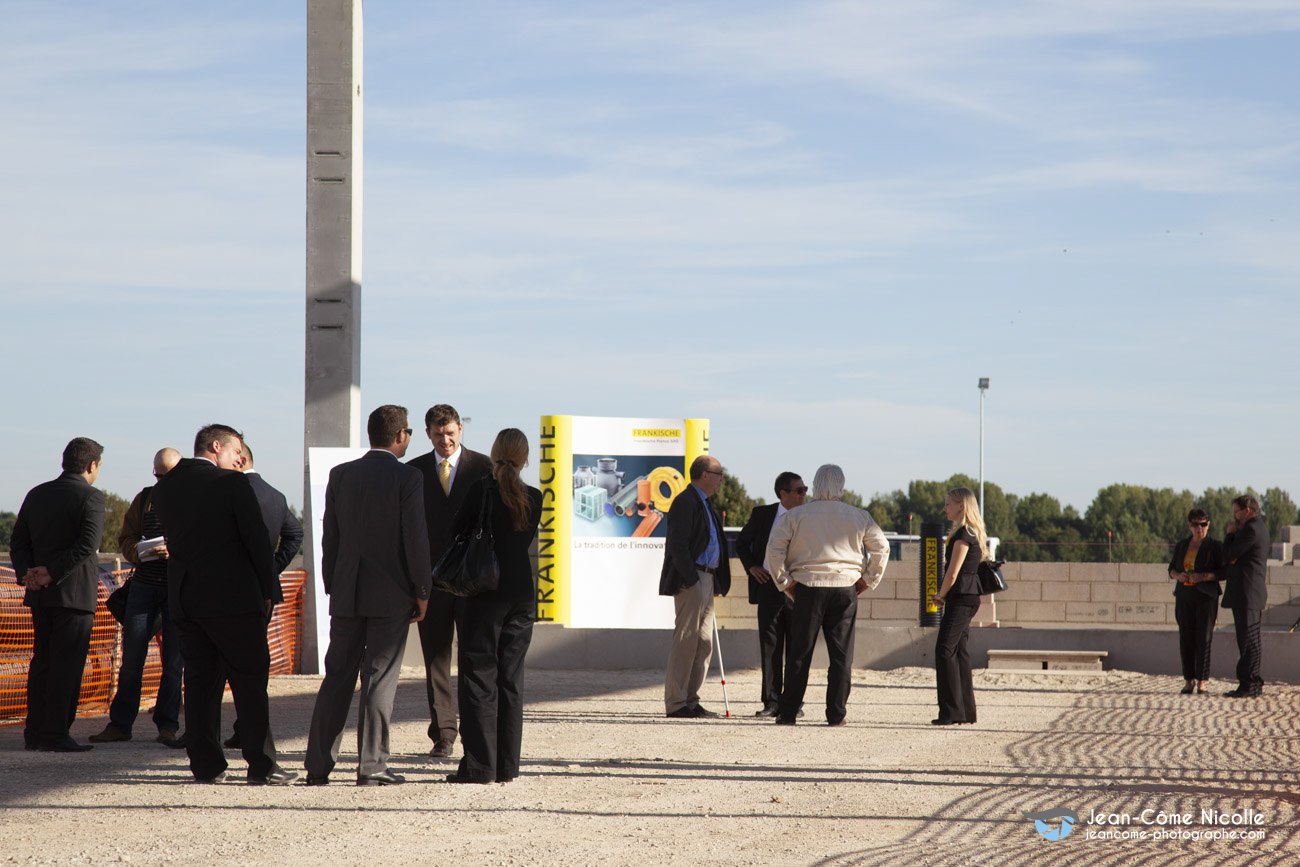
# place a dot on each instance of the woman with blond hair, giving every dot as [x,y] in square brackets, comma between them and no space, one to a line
[959,595]
[494,629]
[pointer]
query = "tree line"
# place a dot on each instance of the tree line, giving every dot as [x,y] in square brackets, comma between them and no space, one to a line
[1123,523]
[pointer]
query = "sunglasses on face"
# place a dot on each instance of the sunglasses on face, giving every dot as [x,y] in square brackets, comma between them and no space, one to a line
[800,490]
[1198,523]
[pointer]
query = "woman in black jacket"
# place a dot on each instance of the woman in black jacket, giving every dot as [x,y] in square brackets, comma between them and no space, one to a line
[494,629]
[959,595]
[1196,603]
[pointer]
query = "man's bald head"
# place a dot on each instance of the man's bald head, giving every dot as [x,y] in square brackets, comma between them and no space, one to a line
[164,461]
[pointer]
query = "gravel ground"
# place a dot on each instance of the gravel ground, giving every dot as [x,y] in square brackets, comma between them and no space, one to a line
[608,780]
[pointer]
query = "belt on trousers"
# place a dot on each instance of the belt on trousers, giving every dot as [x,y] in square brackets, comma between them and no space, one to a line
[708,570]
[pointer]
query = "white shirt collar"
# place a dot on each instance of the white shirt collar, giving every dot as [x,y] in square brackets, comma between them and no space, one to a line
[454,460]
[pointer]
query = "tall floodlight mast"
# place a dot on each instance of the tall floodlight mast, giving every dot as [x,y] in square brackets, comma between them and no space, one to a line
[332,395]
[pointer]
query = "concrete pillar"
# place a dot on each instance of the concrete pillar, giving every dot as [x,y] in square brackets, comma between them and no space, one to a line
[333,369]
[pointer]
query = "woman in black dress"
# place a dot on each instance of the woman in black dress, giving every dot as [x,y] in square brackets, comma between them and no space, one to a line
[494,629]
[1196,603]
[959,595]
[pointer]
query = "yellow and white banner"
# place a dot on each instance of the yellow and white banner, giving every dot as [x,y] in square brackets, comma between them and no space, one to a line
[607,486]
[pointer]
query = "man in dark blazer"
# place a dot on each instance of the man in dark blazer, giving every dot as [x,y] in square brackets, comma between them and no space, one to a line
[221,586]
[448,472]
[1245,591]
[376,571]
[696,569]
[282,530]
[54,547]
[774,607]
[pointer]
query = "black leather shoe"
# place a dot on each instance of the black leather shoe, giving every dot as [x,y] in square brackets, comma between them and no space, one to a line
[782,721]
[839,722]
[1236,693]
[63,745]
[767,711]
[232,742]
[682,713]
[442,749]
[945,722]
[701,713]
[178,743]
[457,778]
[317,781]
[219,778]
[383,778]
[277,777]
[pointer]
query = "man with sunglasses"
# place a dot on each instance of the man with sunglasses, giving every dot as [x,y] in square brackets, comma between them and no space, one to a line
[696,569]
[774,607]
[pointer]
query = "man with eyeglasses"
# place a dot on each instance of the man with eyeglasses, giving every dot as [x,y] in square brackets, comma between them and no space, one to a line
[774,607]
[696,569]
[1245,591]
[146,612]
[376,572]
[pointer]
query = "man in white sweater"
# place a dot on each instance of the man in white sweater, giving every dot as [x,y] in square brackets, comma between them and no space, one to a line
[818,555]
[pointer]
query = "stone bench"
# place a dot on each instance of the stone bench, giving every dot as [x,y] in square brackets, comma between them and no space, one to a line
[1046,660]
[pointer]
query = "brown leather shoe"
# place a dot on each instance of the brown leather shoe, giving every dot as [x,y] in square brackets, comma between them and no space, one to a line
[110,735]
[442,749]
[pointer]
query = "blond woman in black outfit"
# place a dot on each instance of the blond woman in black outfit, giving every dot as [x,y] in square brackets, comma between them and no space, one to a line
[495,629]
[1196,603]
[959,595]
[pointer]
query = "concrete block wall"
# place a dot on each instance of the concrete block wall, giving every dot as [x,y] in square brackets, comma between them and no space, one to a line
[1105,595]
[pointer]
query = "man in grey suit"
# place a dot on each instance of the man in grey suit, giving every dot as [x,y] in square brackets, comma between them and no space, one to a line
[376,571]
[54,544]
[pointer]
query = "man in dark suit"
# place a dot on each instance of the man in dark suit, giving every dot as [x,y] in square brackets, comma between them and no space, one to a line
[376,571]
[1245,591]
[282,530]
[221,586]
[774,607]
[54,548]
[696,569]
[448,472]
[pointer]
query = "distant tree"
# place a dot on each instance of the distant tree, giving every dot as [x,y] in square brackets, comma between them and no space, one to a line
[853,498]
[732,500]
[7,520]
[114,512]
[1279,511]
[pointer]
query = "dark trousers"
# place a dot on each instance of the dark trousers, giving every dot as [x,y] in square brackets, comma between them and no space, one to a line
[436,632]
[372,648]
[233,647]
[1247,622]
[773,636]
[1195,615]
[61,642]
[146,610]
[952,663]
[830,610]
[494,638]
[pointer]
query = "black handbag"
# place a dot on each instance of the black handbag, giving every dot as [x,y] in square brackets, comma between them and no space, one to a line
[991,580]
[116,601]
[470,567]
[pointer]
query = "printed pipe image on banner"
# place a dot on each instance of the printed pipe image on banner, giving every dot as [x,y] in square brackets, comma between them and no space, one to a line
[607,487]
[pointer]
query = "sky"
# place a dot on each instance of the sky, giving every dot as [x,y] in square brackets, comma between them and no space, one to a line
[816,224]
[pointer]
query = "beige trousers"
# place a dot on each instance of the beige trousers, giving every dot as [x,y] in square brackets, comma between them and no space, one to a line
[688,658]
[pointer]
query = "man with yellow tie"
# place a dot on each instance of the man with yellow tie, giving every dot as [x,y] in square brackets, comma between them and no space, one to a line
[449,471]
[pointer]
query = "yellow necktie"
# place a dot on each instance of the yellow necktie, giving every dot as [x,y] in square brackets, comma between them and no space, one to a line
[444,476]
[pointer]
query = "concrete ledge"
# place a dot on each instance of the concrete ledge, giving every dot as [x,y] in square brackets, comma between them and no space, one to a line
[1046,660]
[1149,650]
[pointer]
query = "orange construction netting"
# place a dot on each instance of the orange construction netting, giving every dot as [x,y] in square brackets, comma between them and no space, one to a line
[284,635]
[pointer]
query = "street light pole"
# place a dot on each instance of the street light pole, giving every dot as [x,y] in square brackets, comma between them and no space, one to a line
[984,386]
